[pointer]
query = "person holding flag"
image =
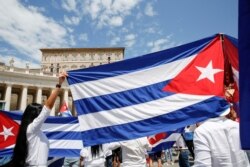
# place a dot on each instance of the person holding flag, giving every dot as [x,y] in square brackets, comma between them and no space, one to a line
[32,145]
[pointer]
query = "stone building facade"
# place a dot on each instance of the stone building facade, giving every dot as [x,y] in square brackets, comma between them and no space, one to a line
[22,86]
[56,60]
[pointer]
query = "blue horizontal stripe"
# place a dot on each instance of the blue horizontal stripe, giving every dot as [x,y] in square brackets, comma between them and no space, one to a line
[64,135]
[15,115]
[138,63]
[162,146]
[209,108]
[6,152]
[121,99]
[64,152]
[52,152]
[62,120]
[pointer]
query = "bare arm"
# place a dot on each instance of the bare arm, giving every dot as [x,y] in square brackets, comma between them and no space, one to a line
[52,98]
[81,161]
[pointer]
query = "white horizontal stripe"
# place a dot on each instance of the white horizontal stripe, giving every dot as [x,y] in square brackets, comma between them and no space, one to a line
[11,146]
[62,144]
[52,127]
[65,144]
[129,81]
[138,112]
[172,137]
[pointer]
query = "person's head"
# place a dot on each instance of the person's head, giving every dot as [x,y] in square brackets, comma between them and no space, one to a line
[95,150]
[21,147]
[31,112]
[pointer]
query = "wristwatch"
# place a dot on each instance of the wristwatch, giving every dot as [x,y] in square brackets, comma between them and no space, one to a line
[58,86]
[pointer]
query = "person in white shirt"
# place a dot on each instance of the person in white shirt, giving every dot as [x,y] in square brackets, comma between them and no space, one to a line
[217,144]
[94,156]
[32,146]
[133,151]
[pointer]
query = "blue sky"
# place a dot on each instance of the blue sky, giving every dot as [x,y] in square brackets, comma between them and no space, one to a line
[141,26]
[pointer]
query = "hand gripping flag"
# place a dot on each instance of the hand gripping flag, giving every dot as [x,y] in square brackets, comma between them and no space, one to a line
[63,133]
[150,94]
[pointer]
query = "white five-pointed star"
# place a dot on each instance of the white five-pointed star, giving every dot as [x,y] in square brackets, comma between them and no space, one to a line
[7,132]
[208,72]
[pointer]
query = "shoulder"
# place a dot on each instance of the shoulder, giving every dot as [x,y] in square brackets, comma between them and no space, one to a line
[84,151]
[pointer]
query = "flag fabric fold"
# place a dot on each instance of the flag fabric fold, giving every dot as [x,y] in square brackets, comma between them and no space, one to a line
[150,94]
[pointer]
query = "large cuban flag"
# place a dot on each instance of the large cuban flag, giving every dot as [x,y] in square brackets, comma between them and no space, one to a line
[150,94]
[63,133]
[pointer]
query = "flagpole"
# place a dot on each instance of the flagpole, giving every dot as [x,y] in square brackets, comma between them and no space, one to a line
[228,74]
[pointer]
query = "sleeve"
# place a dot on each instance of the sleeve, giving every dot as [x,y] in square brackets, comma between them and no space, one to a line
[106,150]
[38,121]
[201,150]
[84,153]
[114,145]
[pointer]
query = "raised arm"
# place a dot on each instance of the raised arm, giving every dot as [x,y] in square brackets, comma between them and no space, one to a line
[52,98]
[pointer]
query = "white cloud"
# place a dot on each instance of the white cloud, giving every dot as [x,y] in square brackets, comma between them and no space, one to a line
[151,30]
[69,5]
[27,30]
[72,40]
[149,11]
[18,62]
[130,40]
[71,20]
[161,44]
[115,40]
[83,37]
[70,30]
[36,9]
[109,12]
[116,21]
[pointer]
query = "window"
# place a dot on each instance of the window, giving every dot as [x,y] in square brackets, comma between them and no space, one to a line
[57,68]
[51,68]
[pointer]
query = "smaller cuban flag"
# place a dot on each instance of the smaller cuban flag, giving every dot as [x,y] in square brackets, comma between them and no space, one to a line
[63,133]
[64,110]
[164,140]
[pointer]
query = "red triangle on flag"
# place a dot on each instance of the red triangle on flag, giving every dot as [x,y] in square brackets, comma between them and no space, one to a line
[8,131]
[204,75]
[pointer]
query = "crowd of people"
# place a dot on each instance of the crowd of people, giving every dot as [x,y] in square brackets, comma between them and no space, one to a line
[214,142]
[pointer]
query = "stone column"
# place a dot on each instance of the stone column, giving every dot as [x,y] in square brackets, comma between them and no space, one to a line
[39,95]
[24,97]
[8,97]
